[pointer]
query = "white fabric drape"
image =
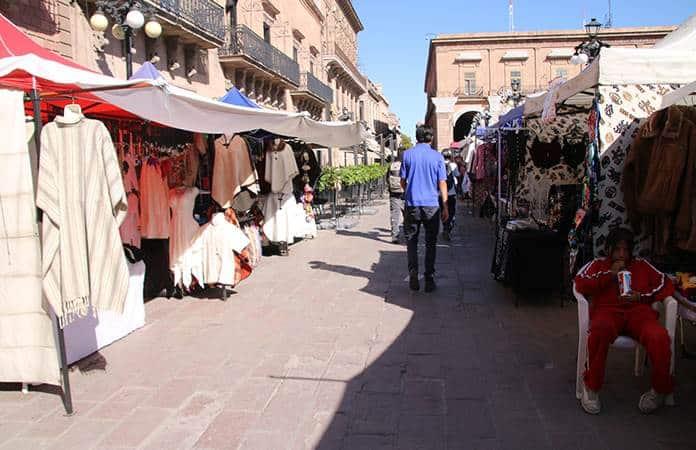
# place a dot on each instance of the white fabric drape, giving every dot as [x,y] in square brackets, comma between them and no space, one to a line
[27,344]
[182,231]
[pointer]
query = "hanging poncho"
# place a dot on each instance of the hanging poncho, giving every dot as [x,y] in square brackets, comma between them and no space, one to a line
[81,193]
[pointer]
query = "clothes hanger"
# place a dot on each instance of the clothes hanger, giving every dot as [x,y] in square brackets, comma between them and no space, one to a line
[72,113]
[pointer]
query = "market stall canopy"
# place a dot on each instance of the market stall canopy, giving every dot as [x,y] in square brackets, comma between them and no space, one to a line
[235,97]
[25,65]
[686,95]
[147,71]
[510,117]
[674,63]
[683,37]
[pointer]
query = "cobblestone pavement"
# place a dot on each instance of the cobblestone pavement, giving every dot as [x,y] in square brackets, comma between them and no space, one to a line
[329,349]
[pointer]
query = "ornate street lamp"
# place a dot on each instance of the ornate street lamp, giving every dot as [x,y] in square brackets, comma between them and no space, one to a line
[587,51]
[129,16]
[516,95]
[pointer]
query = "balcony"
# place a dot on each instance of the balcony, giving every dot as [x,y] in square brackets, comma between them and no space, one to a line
[202,20]
[337,60]
[244,44]
[315,86]
[468,92]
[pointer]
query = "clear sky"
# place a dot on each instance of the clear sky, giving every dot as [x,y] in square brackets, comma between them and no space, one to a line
[394,45]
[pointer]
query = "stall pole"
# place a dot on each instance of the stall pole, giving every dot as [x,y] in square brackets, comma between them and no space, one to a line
[500,177]
[65,372]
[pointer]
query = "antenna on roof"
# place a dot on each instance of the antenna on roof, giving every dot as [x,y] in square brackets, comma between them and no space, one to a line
[608,19]
[511,16]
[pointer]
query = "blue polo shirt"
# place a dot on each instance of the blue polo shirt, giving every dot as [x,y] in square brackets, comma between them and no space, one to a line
[423,168]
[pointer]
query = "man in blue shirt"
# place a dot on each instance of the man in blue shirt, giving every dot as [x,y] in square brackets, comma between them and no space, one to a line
[424,179]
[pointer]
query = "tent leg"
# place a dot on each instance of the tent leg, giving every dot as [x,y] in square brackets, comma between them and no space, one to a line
[65,372]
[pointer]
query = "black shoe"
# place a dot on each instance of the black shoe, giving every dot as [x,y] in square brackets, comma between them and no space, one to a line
[178,293]
[430,284]
[283,249]
[413,283]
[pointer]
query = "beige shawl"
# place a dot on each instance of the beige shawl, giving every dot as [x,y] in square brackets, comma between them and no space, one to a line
[81,193]
[281,168]
[27,344]
[232,170]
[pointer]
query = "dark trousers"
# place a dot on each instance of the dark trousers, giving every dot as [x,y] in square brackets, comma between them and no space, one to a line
[414,217]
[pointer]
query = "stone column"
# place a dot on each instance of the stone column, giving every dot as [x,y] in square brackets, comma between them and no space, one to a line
[444,108]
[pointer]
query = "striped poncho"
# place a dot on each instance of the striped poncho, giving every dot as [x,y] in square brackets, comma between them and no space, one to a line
[81,193]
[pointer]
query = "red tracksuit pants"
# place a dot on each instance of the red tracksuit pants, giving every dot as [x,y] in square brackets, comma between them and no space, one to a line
[639,322]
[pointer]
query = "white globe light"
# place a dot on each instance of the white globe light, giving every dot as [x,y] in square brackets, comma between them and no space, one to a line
[98,21]
[584,59]
[118,32]
[135,19]
[153,29]
[574,60]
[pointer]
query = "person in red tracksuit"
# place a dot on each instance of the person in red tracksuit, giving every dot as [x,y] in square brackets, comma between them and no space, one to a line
[612,315]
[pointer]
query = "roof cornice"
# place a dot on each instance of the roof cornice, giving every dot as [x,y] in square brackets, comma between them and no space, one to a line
[613,33]
[351,14]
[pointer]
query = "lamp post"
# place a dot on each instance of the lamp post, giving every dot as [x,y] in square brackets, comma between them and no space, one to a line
[516,95]
[588,50]
[128,16]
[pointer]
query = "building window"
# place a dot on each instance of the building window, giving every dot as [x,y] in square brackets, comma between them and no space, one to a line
[470,83]
[561,73]
[362,110]
[311,67]
[266,32]
[294,54]
[516,76]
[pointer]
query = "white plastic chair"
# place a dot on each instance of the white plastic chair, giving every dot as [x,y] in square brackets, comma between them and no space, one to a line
[668,316]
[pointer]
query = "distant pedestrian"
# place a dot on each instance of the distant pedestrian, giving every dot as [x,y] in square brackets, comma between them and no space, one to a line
[396,199]
[452,184]
[424,180]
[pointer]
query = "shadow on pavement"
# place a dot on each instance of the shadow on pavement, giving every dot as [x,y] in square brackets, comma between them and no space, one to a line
[463,368]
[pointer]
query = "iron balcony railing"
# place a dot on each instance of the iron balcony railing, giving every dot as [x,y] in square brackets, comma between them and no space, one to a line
[243,41]
[316,86]
[206,16]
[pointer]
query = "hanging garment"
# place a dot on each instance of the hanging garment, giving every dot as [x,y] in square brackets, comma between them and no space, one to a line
[214,249]
[27,345]
[659,176]
[232,170]
[545,154]
[309,167]
[255,251]
[281,209]
[81,193]
[154,201]
[157,275]
[183,229]
[574,152]
[130,228]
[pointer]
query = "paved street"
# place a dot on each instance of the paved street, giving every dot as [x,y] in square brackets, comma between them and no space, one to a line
[329,349]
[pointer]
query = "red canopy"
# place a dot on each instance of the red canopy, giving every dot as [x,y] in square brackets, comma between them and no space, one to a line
[14,42]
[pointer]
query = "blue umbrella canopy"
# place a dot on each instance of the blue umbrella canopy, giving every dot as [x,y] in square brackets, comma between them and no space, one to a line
[234,97]
[148,72]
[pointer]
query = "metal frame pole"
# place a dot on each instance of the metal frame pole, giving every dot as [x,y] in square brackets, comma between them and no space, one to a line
[65,372]
[128,44]
[500,177]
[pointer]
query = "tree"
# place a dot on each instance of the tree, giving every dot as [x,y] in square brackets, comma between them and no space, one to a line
[406,141]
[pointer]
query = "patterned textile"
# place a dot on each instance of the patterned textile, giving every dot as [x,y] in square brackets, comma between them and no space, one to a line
[622,110]
[535,182]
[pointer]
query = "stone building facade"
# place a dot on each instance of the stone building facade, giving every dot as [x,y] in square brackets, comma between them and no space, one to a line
[470,73]
[294,55]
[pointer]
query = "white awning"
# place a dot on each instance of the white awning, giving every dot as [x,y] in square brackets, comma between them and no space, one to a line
[468,57]
[516,54]
[561,53]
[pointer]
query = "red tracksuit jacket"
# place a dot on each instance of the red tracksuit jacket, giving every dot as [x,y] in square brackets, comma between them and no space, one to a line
[595,280]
